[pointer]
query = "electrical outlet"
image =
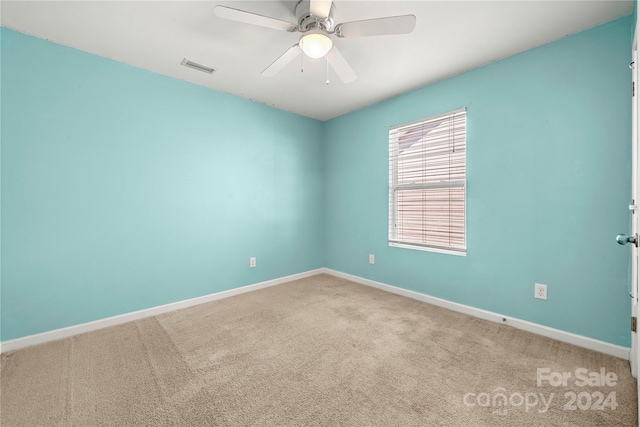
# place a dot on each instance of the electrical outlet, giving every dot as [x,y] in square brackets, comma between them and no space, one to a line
[540,291]
[372,259]
[252,262]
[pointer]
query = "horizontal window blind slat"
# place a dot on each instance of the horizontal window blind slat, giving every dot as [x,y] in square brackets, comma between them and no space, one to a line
[427,185]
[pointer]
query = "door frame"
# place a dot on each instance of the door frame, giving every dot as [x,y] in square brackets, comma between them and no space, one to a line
[634,356]
[633,359]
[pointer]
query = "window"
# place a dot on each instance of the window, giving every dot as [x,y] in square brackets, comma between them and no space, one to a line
[427,180]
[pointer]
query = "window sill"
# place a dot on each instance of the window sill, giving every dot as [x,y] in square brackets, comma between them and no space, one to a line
[427,249]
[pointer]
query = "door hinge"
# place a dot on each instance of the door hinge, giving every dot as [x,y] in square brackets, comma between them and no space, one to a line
[633,89]
[634,324]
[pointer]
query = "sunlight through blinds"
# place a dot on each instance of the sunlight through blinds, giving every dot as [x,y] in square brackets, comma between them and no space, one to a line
[427,179]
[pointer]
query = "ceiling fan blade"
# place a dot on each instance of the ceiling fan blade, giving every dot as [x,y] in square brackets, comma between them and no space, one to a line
[340,65]
[320,8]
[282,62]
[403,24]
[252,18]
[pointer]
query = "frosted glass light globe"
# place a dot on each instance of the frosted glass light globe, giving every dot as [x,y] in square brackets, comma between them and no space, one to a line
[315,45]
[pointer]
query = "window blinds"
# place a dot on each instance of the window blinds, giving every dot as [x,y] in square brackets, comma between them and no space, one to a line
[427,177]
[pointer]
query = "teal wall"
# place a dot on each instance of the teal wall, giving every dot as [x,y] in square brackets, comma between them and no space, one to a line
[634,17]
[123,189]
[549,182]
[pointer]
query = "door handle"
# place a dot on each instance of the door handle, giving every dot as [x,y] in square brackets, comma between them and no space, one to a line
[623,239]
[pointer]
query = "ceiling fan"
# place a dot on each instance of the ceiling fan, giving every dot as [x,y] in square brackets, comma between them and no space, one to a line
[316,23]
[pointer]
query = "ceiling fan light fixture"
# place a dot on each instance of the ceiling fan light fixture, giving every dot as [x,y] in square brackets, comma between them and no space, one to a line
[315,44]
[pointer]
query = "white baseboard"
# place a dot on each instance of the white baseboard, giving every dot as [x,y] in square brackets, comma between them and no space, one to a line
[567,337]
[57,334]
[579,340]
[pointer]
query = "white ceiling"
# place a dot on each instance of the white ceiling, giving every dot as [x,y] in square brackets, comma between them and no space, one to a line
[450,37]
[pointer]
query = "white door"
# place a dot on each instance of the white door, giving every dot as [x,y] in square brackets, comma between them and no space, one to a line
[634,358]
[632,239]
[635,354]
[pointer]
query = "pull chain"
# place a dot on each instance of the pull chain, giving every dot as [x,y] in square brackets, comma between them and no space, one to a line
[327,60]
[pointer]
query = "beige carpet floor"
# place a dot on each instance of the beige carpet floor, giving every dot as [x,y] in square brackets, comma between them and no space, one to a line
[319,351]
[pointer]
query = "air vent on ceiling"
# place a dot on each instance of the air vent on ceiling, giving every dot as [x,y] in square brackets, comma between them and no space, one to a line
[196,66]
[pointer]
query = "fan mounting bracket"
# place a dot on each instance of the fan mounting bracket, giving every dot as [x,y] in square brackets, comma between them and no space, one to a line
[307,21]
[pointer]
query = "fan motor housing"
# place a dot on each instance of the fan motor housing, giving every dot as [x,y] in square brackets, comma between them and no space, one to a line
[307,21]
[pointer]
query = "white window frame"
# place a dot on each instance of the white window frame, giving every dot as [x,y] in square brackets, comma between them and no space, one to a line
[394,188]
